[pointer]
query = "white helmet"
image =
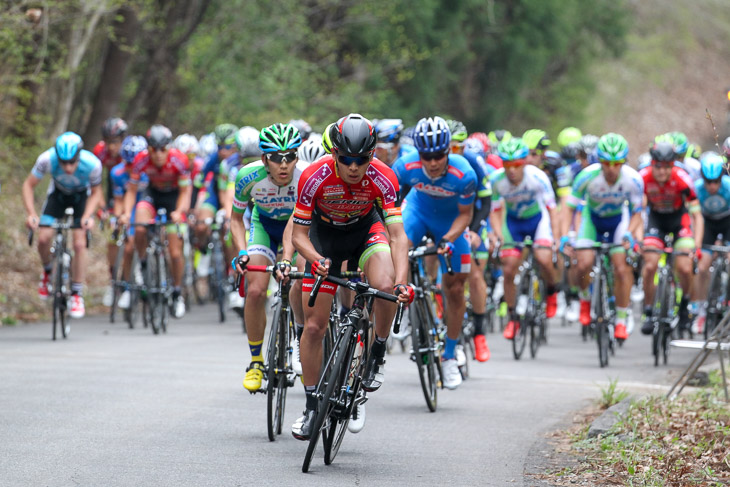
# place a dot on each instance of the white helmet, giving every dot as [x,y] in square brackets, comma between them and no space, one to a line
[311,150]
[247,141]
[187,144]
[208,145]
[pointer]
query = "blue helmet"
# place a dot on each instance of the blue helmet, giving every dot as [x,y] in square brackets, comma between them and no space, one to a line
[712,165]
[68,147]
[432,135]
[389,129]
[131,146]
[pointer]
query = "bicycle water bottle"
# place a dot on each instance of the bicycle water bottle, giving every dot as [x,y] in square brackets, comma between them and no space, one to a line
[66,267]
[521,305]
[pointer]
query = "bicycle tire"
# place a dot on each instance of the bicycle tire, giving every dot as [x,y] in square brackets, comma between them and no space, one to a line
[658,331]
[670,297]
[328,384]
[117,272]
[601,323]
[153,294]
[274,366]
[423,351]
[219,276]
[534,316]
[164,303]
[64,288]
[519,340]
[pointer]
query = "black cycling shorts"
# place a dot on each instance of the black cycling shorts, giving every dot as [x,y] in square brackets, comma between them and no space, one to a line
[57,202]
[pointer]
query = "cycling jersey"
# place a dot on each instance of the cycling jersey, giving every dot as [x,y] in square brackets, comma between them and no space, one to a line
[120,176]
[102,152]
[173,175]
[525,200]
[494,160]
[86,175]
[270,201]
[324,195]
[715,206]
[228,171]
[692,166]
[479,165]
[672,195]
[604,200]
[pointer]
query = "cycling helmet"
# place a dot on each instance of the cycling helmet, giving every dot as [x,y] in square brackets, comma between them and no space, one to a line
[552,161]
[225,134]
[408,136]
[458,130]
[131,146]
[588,144]
[305,130]
[483,139]
[644,160]
[68,147]
[694,151]
[247,141]
[681,144]
[279,137]
[536,139]
[432,135]
[512,149]
[353,135]
[474,146]
[327,138]
[159,136]
[726,147]
[497,136]
[389,129]
[712,166]
[662,151]
[569,152]
[208,145]
[113,127]
[612,147]
[311,150]
[187,144]
[568,135]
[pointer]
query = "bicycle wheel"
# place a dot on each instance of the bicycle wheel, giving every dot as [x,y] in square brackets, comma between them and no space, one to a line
[117,281]
[601,325]
[154,296]
[533,318]
[659,310]
[165,302]
[330,381]
[423,350]
[275,373]
[462,347]
[219,276]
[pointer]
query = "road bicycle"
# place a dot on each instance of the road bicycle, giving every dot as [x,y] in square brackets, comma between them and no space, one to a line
[603,305]
[718,296]
[530,308]
[219,285]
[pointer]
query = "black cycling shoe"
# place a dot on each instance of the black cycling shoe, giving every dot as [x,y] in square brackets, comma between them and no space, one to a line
[374,374]
[647,328]
[302,427]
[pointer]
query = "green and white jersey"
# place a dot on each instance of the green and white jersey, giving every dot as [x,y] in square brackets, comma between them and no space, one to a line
[271,201]
[526,199]
[604,200]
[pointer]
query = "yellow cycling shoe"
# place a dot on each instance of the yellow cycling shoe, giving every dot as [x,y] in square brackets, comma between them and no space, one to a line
[254,376]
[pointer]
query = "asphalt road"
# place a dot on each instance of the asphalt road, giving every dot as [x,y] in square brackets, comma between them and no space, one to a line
[113,406]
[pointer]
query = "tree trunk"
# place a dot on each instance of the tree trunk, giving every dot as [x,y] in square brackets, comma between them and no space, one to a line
[109,93]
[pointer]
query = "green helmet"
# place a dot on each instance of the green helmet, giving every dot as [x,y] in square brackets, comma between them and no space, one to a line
[225,134]
[497,136]
[681,144]
[695,151]
[612,147]
[458,130]
[568,135]
[512,149]
[536,139]
[326,140]
[279,137]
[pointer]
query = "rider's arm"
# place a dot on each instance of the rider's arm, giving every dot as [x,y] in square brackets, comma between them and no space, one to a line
[130,197]
[481,213]
[301,242]
[399,251]
[238,231]
[183,199]
[698,224]
[636,226]
[92,202]
[287,247]
[555,222]
[496,220]
[460,223]
[28,185]
[566,219]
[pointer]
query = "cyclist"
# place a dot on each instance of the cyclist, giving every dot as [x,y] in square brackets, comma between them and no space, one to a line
[441,205]
[713,193]
[687,162]
[673,208]
[169,188]
[76,183]
[305,130]
[537,141]
[188,144]
[388,147]
[528,199]
[311,150]
[120,175]
[569,135]
[113,132]
[611,194]
[272,186]
[336,219]
[726,149]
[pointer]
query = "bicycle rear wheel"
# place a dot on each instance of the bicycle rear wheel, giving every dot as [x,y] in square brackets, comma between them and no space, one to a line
[423,350]
[219,277]
[117,282]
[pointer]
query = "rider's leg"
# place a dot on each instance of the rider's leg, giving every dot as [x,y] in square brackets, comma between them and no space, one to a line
[651,262]
[143,214]
[45,237]
[175,246]
[453,286]
[78,265]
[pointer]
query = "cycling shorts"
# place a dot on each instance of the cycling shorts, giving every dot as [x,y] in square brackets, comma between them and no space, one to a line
[355,244]
[418,224]
[482,251]
[56,204]
[715,228]
[265,236]
[659,225]
[153,200]
[516,230]
[211,201]
[593,228]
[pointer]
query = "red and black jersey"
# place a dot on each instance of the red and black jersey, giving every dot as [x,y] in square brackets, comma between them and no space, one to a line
[670,196]
[173,175]
[102,152]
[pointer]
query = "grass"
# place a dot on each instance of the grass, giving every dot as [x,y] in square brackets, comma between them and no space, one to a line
[610,395]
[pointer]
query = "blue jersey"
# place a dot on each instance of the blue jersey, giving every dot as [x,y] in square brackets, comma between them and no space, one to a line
[120,179]
[714,206]
[212,165]
[87,174]
[404,149]
[479,165]
[443,195]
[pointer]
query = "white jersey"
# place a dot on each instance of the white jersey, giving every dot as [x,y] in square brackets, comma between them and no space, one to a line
[525,200]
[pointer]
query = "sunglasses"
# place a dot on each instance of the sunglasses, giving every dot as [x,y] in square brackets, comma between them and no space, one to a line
[612,163]
[713,181]
[68,163]
[226,146]
[515,163]
[158,149]
[431,156]
[279,158]
[536,152]
[662,164]
[359,160]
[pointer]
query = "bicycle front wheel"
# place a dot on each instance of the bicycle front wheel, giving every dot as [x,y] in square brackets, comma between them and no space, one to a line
[275,374]
[423,350]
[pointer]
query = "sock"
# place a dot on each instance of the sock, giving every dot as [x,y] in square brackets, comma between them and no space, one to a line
[479,323]
[621,314]
[47,268]
[256,350]
[550,290]
[584,295]
[648,310]
[311,399]
[300,329]
[511,313]
[76,288]
[111,271]
[379,346]
[449,348]
[175,293]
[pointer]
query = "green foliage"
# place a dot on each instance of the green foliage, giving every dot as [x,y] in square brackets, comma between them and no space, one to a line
[610,395]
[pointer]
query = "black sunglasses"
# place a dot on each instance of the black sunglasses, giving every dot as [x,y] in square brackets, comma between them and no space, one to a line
[713,181]
[359,160]
[279,158]
[68,163]
[433,156]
